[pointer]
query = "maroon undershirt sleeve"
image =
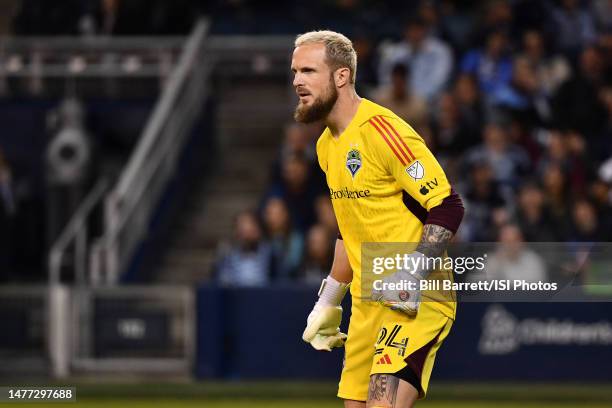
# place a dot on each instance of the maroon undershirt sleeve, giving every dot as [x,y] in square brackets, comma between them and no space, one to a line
[448,214]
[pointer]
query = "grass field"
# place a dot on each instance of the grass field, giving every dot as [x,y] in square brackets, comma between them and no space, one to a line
[321,395]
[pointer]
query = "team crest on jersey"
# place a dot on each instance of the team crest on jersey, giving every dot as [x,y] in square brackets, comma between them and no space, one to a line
[416,170]
[353,161]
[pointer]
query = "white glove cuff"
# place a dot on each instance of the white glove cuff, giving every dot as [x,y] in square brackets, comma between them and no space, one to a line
[332,292]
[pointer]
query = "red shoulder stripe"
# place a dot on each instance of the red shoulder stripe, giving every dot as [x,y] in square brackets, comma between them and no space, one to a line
[399,137]
[388,142]
[397,145]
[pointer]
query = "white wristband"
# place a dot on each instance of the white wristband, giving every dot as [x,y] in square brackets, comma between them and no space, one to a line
[332,292]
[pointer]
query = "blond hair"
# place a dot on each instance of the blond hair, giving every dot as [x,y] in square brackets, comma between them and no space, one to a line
[339,49]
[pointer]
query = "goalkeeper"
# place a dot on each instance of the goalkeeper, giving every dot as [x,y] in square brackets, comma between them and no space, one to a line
[385,186]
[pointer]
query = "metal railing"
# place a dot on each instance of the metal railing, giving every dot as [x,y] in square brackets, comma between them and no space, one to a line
[45,57]
[129,205]
[128,208]
[131,202]
[99,66]
[76,231]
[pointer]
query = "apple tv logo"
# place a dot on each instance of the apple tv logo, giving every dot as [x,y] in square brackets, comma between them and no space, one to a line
[428,186]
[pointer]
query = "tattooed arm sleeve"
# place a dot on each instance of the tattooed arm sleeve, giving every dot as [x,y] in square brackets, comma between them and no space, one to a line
[434,240]
[442,223]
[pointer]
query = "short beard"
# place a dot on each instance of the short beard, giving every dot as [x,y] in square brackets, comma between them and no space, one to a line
[320,108]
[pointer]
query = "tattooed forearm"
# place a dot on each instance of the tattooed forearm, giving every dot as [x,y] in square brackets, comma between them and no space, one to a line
[383,390]
[434,240]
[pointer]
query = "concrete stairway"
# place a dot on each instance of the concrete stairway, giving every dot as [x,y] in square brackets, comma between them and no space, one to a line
[250,119]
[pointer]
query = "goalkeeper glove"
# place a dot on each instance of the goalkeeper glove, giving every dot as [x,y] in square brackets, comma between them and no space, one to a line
[408,299]
[323,323]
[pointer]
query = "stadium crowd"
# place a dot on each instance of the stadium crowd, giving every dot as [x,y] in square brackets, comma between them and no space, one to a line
[513,97]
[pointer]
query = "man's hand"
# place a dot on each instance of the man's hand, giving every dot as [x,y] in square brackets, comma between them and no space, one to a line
[323,328]
[323,323]
[408,298]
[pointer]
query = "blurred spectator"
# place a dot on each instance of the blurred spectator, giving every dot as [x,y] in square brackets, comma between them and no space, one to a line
[602,11]
[579,170]
[604,45]
[428,13]
[576,104]
[453,134]
[7,216]
[248,261]
[521,96]
[492,66]
[471,110]
[398,97]
[585,226]
[326,216]
[513,259]
[567,151]
[550,69]
[525,136]
[483,196]
[557,195]
[287,244]
[297,141]
[300,140]
[495,15]
[427,135]
[601,195]
[456,21]
[319,255]
[532,216]
[556,151]
[507,160]
[430,61]
[366,63]
[573,26]
[297,189]
[7,198]
[605,172]
[600,144]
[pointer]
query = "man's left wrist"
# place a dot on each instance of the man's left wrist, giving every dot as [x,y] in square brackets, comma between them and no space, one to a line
[418,266]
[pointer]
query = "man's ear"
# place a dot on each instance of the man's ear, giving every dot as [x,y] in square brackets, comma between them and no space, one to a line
[342,77]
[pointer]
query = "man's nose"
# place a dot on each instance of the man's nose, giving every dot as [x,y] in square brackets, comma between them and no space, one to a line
[297,80]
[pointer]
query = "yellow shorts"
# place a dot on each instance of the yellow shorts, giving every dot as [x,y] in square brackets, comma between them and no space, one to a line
[383,341]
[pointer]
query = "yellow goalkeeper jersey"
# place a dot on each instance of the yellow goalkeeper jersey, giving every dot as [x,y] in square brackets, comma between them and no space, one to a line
[382,181]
